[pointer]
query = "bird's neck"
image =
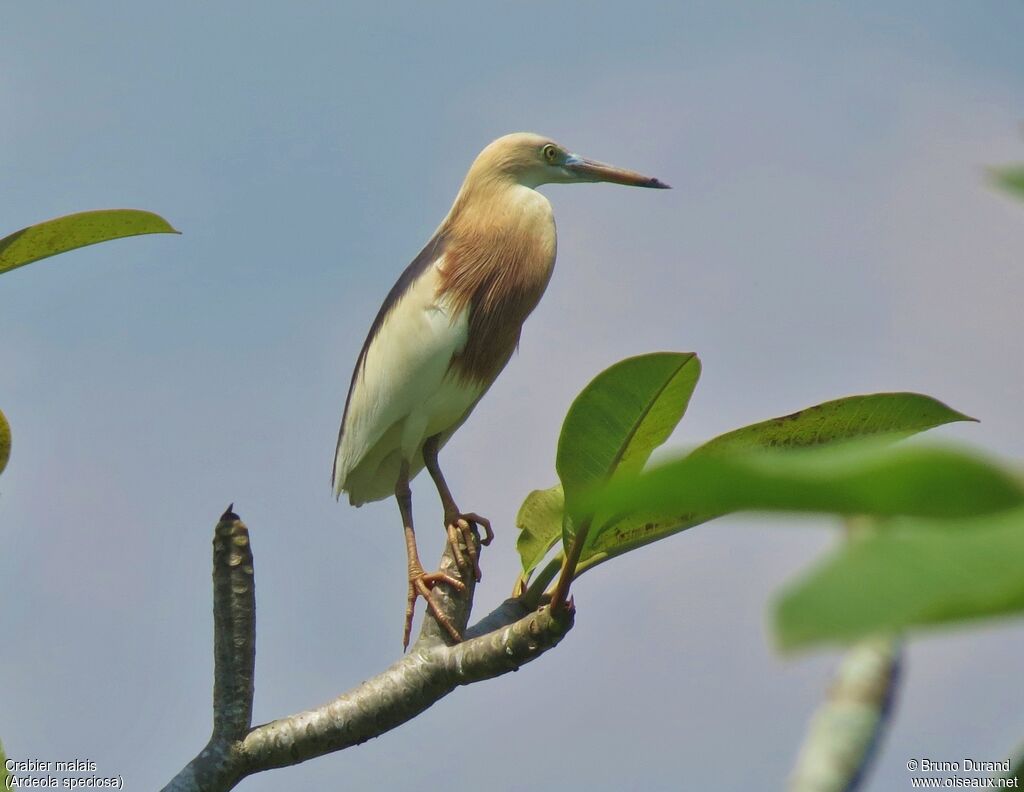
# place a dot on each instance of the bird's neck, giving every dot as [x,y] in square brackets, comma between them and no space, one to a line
[500,215]
[482,194]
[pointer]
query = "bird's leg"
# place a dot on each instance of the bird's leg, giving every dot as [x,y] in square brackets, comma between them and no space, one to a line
[461,526]
[420,582]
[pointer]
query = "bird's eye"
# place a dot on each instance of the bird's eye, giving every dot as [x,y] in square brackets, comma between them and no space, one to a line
[550,153]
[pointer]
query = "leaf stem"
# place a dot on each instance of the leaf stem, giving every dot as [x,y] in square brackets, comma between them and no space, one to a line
[533,595]
[560,594]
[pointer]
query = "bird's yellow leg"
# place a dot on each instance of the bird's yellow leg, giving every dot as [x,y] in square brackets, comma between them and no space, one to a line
[420,582]
[461,526]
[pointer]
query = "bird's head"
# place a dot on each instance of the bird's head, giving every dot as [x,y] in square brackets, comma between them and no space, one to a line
[532,160]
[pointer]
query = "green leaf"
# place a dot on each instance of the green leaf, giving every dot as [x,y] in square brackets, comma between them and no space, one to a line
[895,414]
[863,478]
[619,419]
[5,442]
[540,524]
[908,573]
[621,535]
[1010,178]
[74,231]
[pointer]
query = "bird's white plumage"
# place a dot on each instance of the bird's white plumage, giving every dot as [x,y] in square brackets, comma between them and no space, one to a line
[403,391]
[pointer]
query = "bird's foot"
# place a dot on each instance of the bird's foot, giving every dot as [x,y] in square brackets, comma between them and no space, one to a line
[420,585]
[462,534]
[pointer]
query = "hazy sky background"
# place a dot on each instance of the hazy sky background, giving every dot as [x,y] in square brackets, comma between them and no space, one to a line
[830,232]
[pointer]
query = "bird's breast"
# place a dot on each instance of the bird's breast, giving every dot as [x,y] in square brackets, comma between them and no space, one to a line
[497,266]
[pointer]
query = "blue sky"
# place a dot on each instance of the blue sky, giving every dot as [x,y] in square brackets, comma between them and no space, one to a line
[830,232]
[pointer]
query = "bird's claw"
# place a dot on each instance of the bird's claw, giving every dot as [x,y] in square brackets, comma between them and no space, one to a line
[420,585]
[462,533]
[483,522]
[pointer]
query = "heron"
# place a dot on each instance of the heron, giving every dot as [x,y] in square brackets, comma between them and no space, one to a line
[445,332]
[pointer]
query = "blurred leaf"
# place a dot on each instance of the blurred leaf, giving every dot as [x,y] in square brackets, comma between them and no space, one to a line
[860,478]
[5,442]
[74,231]
[1010,178]
[540,524]
[1016,768]
[908,573]
[3,768]
[615,423]
[894,414]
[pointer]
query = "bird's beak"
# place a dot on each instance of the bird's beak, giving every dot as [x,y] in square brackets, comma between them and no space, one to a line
[584,170]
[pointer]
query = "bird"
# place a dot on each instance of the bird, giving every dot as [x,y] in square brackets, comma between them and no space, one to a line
[446,330]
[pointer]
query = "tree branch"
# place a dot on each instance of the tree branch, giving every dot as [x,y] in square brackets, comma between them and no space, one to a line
[502,641]
[847,728]
[234,630]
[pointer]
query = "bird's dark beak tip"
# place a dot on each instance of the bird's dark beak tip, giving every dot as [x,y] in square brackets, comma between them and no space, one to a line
[657,184]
